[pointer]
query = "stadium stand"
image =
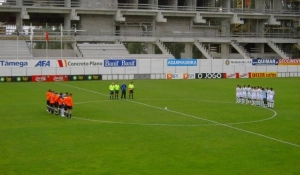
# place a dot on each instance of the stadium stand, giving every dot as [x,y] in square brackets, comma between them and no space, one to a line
[13,49]
[105,51]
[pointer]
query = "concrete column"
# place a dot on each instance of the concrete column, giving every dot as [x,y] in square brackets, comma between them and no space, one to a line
[68,3]
[212,3]
[67,22]
[226,4]
[191,4]
[260,6]
[225,51]
[277,5]
[134,4]
[19,3]
[19,22]
[225,28]
[260,46]
[151,48]
[260,27]
[188,51]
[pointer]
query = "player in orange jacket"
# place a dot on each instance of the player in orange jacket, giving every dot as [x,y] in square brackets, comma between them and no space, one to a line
[48,95]
[52,102]
[69,106]
[60,104]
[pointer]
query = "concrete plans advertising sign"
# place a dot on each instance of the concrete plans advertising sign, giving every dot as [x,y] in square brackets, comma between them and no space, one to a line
[264,62]
[120,63]
[182,62]
[79,63]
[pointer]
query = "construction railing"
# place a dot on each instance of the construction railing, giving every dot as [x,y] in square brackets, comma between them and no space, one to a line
[108,5]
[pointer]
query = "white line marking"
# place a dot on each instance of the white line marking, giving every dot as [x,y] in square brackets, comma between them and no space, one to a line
[157,124]
[225,125]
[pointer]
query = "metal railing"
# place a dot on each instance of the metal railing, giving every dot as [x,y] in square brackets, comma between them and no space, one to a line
[39,35]
[108,5]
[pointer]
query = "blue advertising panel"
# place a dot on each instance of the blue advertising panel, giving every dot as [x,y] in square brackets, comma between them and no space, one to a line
[264,62]
[120,63]
[182,62]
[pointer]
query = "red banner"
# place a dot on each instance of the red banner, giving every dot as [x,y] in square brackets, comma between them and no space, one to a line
[49,78]
[47,36]
[230,75]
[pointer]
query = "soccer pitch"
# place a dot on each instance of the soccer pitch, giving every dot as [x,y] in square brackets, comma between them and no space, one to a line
[203,131]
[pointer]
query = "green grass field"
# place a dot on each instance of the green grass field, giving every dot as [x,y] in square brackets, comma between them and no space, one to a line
[203,131]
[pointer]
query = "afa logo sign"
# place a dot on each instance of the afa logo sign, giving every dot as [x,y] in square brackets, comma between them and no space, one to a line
[42,64]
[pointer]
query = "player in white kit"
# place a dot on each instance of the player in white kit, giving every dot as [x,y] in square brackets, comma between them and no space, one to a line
[270,97]
[238,94]
[244,94]
[259,96]
[248,98]
[253,95]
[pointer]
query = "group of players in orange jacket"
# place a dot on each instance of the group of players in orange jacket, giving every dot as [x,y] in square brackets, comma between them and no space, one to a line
[59,104]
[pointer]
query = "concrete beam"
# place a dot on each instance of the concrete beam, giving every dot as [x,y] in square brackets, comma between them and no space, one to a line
[273,21]
[236,20]
[24,14]
[199,19]
[74,15]
[160,18]
[119,16]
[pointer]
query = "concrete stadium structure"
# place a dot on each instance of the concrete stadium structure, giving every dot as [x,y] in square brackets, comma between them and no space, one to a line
[219,29]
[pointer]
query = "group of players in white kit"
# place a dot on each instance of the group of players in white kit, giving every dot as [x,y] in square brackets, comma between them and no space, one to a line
[255,95]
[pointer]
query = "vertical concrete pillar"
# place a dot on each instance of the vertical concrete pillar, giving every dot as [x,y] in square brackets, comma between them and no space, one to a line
[151,48]
[277,5]
[211,3]
[260,6]
[68,3]
[225,51]
[261,47]
[191,4]
[19,22]
[19,3]
[134,4]
[67,22]
[188,51]
[260,27]
[225,28]
[226,4]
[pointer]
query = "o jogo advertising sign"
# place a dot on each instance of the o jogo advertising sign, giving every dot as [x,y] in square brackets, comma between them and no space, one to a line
[289,62]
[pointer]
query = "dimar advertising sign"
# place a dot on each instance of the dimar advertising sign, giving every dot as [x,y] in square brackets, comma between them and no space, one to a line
[289,62]
[263,75]
[264,62]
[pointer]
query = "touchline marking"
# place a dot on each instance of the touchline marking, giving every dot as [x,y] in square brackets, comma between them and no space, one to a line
[199,118]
